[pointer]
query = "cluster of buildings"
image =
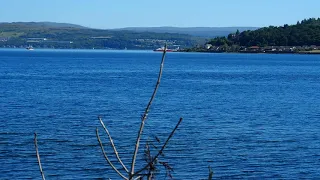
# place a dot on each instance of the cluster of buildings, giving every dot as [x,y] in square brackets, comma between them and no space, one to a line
[3,39]
[157,41]
[267,49]
[45,40]
[279,49]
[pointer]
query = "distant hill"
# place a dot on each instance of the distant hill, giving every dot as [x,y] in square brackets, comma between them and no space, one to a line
[44,24]
[63,35]
[207,32]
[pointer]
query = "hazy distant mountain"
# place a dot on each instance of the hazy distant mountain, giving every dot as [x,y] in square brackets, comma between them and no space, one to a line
[207,32]
[194,31]
[44,24]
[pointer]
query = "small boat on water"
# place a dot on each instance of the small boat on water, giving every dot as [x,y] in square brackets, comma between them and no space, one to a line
[30,48]
[168,50]
[162,49]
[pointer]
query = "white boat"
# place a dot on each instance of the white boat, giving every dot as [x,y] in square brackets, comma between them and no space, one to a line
[30,48]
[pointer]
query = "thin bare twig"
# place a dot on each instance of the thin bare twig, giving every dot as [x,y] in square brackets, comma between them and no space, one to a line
[112,144]
[148,158]
[38,156]
[106,157]
[139,177]
[162,148]
[210,173]
[144,116]
[168,169]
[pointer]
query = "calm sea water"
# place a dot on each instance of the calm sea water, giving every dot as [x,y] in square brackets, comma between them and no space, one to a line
[247,116]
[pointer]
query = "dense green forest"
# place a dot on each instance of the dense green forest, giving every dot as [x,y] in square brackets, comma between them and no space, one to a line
[304,33]
[61,35]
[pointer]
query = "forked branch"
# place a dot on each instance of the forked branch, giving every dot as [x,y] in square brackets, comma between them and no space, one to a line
[38,156]
[161,150]
[106,157]
[145,114]
[112,144]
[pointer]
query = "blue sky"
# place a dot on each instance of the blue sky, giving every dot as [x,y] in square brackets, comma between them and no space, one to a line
[181,13]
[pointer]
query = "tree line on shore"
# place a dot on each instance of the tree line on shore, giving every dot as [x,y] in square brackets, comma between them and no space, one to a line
[304,33]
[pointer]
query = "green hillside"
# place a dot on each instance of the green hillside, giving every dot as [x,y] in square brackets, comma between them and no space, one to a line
[304,33]
[61,35]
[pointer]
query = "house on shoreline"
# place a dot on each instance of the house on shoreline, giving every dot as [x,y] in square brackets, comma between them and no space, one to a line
[257,49]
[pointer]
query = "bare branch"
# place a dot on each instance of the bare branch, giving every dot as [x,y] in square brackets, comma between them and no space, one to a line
[106,157]
[210,173]
[162,148]
[112,144]
[144,116]
[168,169]
[38,156]
[148,158]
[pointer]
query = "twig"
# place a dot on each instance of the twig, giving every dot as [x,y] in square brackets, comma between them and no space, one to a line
[112,144]
[148,157]
[106,157]
[162,148]
[137,178]
[38,156]
[168,169]
[144,116]
[210,173]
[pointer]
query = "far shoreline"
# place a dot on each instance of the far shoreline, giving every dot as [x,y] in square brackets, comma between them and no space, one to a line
[248,52]
[149,50]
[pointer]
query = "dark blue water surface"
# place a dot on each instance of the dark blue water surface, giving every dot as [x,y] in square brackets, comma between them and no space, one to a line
[246,115]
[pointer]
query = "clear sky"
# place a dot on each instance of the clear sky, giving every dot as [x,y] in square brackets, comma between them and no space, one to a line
[149,13]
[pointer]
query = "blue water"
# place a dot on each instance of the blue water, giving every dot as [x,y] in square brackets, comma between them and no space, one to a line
[246,115]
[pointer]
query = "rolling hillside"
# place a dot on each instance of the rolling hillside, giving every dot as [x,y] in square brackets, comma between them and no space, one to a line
[62,35]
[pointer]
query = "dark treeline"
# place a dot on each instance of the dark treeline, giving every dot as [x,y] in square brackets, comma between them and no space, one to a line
[304,33]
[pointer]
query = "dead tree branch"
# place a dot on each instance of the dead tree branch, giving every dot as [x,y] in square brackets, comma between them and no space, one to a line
[210,173]
[38,156]
[161,150]
[144,116]
[112,144]
[151,161]
[106,157]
